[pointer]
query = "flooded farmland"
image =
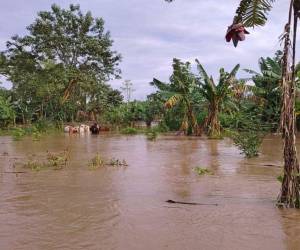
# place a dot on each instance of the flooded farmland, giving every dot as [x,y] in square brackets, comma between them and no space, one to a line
[125,208]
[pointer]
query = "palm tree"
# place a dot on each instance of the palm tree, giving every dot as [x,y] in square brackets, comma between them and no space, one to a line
[216,95]
[252,13]
[180,91]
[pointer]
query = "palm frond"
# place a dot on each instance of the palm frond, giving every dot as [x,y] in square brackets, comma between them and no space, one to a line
[234,71]
[160,85]
[250,71]
[201,70]
[253,12]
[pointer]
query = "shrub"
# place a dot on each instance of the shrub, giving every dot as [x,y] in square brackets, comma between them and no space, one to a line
[129,131]
[7,114]
[248,143]
[18,134]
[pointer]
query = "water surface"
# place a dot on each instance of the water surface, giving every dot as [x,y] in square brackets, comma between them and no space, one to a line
[125,208]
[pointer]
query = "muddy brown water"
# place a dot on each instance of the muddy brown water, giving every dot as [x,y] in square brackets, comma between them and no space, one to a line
[125,208]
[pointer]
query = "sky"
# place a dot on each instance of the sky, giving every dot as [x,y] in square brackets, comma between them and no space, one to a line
[150,33]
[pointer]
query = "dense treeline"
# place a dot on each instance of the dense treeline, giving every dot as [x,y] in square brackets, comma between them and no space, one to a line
[59,73]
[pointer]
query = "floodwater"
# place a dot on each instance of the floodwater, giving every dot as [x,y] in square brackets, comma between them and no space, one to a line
[125,208]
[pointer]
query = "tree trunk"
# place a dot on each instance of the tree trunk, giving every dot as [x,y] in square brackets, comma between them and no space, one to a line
[290,195]
[212,124]
[193,122]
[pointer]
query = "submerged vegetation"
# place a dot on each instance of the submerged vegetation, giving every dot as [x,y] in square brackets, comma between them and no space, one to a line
[97,162]
[202,171]
[248,142]
[55,161]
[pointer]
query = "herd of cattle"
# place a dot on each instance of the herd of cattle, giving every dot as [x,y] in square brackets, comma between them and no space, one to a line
[82,129]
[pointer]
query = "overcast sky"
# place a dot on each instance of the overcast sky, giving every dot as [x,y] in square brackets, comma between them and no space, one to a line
[150,33]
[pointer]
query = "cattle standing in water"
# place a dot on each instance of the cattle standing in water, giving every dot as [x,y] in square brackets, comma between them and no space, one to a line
[95,129]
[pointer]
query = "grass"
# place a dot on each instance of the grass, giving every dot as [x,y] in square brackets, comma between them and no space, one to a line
[35,165]
[18,134]
[96,162]
[59,160]
[36,130]
[55,161]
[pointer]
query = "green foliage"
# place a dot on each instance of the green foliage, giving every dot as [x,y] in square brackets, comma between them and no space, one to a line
[162,127]
[280,178]
[248,142]
[129,131]
[63,63]
[202,171]
[253,12]
[18,134]
[266,93]
[218,96]
[180,93]
[7,114]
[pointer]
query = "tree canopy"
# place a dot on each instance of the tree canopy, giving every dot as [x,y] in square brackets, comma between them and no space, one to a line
[64,62]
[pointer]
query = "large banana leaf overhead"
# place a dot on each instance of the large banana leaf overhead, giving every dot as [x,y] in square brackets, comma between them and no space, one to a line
[250,13]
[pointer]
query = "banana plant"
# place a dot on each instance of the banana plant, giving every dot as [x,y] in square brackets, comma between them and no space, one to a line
[216,95]
[180,91]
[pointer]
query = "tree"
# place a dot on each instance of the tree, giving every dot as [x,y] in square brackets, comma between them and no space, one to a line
[266,88]
[251,13]
[216,95]
[180,91]
[64,59]
[254,13]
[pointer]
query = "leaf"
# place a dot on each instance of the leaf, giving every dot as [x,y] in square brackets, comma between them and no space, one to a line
[253,12]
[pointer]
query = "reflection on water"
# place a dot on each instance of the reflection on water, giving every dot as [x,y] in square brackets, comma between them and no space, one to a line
[125,208]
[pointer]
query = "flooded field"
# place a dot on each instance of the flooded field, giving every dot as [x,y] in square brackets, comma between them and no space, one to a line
[125,208]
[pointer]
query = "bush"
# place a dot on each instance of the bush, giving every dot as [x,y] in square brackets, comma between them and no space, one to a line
[18,134]
[162,127]
[248,143]
[129,131]
[7,114]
